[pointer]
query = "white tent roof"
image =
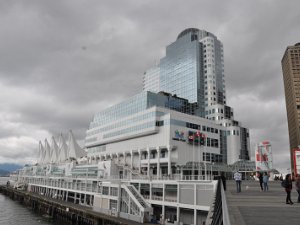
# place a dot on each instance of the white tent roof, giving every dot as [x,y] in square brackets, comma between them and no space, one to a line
[54,151]
[74,150]
[47,152]
[41,153]
[62,149]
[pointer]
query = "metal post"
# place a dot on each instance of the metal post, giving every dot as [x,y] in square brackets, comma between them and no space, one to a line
[193,160]
[158,162]
[169,161]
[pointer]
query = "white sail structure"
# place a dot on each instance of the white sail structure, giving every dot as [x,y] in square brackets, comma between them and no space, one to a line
[47,152]
[41,153]
[54,151]
[62,149]
[74,150]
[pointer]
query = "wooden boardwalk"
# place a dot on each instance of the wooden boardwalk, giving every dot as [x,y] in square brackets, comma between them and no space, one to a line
[253,207]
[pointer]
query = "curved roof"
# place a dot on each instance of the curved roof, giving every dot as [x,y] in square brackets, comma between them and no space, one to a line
[186,31]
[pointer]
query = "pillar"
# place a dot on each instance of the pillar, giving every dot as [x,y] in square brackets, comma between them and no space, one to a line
[118,159]
[124,156]
[150,190]
[195,203]
[158,162]
[140,161]
[178,214]
[195,216]
[163,214]
[169,161]
[148,172]
[131,158]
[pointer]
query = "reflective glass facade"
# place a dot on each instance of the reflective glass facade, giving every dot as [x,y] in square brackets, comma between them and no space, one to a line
[131,115]
[193,68]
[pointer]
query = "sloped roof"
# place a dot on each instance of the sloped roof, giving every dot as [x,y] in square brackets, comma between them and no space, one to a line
[41,153]
[62,149]
[54,151]
[74,150]
[47,152]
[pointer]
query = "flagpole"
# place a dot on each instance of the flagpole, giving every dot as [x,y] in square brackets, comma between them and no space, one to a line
[205,169]
[193,162]
[199,148]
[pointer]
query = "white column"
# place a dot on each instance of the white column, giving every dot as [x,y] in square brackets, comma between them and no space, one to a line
[195,216]
[148,172]
[163,214]
[131,158]
[164,191]
[150,190]
[178,197]
[181,172]
[195,203]
[124,156]
[158,162]
[140,161]
[169,161]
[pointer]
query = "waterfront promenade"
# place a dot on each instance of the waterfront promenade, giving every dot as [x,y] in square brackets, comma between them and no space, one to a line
[253,207]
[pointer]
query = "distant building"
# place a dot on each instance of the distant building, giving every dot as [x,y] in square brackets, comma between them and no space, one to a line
[291,77]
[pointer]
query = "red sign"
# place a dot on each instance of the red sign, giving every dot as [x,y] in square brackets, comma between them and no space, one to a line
[296,156]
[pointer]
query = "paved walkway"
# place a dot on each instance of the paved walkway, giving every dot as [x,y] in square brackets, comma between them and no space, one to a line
[253,207]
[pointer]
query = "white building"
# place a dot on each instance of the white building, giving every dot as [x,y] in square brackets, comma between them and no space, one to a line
[193,68]
[148,157]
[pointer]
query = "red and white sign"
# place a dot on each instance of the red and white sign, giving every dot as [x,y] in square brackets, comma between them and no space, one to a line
[296,153]
[263,156]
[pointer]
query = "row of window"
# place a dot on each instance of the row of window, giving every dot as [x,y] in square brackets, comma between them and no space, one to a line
[212,111]
[204,128]
[233,132]
[133,105]
[130,129]
[125,122]
[211,157]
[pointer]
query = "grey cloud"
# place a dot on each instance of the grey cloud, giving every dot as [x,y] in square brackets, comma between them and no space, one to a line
[67,60]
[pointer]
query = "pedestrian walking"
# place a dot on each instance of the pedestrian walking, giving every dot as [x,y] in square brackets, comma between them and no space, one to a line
[288,188]
[265,181]
[260,177]
[297,185]
[238,180]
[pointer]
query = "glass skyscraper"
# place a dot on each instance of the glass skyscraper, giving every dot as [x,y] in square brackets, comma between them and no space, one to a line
[193,68]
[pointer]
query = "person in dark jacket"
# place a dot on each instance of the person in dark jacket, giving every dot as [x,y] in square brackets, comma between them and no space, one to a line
[260,177]
[288,188]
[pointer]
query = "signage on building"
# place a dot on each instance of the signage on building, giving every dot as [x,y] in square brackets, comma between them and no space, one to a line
[296,154]
[196,138]
[263,156]
[179,135]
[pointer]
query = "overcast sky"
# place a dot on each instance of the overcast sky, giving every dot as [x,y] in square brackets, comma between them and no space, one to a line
[63,61]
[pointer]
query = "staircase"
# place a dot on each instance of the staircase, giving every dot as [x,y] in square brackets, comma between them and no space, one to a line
[138,197]
[138,206]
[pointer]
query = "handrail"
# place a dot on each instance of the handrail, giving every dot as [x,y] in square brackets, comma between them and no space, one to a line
[218,213]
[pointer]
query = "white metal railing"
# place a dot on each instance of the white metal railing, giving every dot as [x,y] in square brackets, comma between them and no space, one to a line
[158,198]
[170,199]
